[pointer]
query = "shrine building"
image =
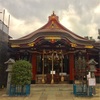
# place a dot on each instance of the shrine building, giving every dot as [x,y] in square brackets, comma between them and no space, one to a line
[56,53]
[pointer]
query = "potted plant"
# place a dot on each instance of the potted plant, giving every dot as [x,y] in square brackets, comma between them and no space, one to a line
[21,77]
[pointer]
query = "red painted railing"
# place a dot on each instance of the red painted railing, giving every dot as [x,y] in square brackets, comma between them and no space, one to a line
[97,73]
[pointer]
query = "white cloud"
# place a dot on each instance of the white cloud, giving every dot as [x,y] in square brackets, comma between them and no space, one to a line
[97,9]
[69,18]
[19,28]
[81,17]
[84,25]
[92,32]
[64,19]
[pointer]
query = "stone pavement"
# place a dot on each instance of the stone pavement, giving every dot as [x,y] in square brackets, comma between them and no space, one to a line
[51,92]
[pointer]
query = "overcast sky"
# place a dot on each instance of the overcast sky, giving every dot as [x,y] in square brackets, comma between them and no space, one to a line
[80,16]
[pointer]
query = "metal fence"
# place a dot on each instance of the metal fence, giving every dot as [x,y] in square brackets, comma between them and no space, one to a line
[17,90]
[82,90]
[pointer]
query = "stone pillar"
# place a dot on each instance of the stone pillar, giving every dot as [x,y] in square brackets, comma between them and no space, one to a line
[10,62]
[87,57]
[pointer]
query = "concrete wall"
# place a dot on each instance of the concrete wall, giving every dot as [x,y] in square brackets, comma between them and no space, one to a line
[3,57]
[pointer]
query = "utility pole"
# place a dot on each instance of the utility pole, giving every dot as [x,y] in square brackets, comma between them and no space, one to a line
[8,23]
[3,19]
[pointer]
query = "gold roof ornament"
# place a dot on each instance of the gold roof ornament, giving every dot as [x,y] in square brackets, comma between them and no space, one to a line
[89,46]
[15,45]
[73,45]
[31,44]
[53,37]
[53,17]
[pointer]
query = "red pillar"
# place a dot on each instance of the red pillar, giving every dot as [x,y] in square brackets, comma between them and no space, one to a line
[71,67]
[87,57]
[34,56]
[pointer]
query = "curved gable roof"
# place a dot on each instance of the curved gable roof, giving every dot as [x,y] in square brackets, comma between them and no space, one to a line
[53,25]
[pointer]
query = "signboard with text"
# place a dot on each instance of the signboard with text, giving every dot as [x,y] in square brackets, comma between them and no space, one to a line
[52,72]
[91,81]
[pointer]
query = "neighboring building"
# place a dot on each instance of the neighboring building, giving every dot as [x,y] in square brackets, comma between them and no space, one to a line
[54,49]
[3,52]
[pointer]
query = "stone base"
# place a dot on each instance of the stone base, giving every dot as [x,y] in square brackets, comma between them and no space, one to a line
[33,82]
[71,81]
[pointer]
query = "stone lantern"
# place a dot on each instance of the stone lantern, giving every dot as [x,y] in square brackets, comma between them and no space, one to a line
[10,62]
[92,80]
[92,67]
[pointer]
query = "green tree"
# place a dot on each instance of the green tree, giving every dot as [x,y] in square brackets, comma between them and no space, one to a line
[21,73]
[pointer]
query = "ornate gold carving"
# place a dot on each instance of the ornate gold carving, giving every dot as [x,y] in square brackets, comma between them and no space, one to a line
[52,37]
[73,45]
[15,45]
[31,44]
[89,46]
